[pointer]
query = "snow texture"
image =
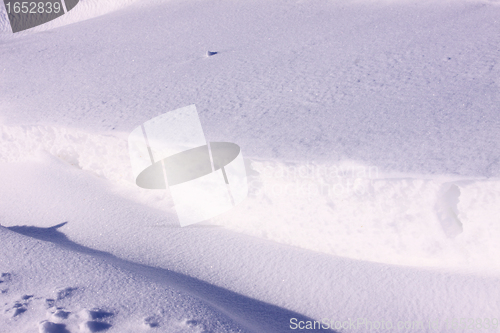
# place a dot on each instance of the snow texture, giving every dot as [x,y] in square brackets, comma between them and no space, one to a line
[370,131]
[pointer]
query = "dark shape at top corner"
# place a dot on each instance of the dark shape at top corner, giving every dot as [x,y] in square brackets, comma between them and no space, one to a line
[70,4]
[25,15]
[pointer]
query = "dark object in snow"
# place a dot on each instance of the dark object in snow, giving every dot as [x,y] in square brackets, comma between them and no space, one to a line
[210,53]
[151,322]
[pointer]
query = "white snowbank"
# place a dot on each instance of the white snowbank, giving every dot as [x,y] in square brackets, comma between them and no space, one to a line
[129,260]
[341,210]
[346,209]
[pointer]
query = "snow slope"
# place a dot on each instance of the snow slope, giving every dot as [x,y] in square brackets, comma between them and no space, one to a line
[370,132]
[77,291]
[229,272]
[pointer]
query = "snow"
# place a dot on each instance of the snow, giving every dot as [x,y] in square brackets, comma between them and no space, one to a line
[370,132]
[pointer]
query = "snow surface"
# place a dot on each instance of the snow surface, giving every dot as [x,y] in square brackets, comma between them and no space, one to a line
[371,132]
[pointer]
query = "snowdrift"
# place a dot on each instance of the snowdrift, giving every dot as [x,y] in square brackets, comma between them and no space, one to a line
[345,209]
[370,133]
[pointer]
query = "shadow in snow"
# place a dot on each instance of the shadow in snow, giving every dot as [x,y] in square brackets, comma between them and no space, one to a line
[49,327]
[251,314]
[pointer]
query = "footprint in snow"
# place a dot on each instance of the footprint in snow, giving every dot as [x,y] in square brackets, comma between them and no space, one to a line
[65,292]
[5,277]
[59,314]
[20,306]
[49,302]
[151,321]
[193,324]
[17,309]
[4,281]
[50,327]
[95,314]
[95,320]
[94,326]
